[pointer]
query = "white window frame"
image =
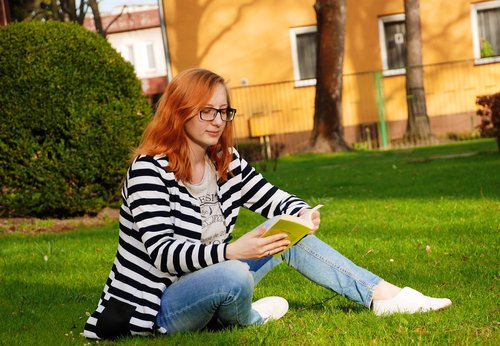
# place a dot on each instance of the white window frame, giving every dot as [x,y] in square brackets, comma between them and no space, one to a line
[474,8]
[381,31]
[294,32]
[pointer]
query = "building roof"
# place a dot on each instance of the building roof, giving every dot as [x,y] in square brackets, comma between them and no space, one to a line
[133,18]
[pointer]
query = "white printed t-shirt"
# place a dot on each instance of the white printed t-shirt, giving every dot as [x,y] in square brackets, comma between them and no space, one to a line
[212,220]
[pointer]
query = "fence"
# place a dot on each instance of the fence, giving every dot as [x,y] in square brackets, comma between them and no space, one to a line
[373,105]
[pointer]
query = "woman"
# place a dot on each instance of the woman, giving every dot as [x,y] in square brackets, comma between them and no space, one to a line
[175,269]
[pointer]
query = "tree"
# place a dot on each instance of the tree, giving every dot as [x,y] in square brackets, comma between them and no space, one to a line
[59,10]
[418,126]
[97,18]
[23,9]
[328,133]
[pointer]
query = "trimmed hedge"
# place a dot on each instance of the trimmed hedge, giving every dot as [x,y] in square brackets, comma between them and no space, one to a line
[71,111]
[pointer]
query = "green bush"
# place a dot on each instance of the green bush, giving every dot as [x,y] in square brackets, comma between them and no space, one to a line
[71,110]
[489,112]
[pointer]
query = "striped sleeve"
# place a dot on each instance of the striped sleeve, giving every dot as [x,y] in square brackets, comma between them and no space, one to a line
[263,197]
[173,250]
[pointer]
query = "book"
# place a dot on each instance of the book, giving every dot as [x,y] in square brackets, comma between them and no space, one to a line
[296,227]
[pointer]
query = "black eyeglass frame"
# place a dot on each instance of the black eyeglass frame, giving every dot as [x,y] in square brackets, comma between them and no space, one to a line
[230,113]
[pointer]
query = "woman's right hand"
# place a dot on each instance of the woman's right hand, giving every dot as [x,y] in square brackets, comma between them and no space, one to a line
[253,246]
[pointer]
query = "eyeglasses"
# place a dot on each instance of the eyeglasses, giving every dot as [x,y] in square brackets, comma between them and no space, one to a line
[210,113]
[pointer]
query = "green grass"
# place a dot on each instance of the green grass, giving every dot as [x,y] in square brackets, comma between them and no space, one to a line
[382,209]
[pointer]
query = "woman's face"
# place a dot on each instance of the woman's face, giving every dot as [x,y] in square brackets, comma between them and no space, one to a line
[202,134]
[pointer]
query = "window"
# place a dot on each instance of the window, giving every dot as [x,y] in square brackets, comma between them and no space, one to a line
[128,53]
[303,43]
[393,44]
[485,18]
[151,56]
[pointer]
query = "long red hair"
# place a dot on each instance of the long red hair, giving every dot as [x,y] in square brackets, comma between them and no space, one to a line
[182,100]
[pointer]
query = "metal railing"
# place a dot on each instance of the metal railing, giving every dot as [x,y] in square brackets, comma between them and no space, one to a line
[373,105]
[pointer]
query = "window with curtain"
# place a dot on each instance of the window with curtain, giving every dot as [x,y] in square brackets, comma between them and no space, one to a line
[303,44]
[392,35]
[486,30]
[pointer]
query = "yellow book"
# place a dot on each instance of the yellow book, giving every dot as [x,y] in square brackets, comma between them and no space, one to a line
[296,227]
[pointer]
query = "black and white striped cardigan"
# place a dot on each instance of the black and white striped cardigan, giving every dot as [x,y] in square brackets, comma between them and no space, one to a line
[159,240]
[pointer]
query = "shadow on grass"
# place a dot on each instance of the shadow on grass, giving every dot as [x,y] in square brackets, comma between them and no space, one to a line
[468,170]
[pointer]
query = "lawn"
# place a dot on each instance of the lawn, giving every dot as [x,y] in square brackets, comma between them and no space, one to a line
[428,218]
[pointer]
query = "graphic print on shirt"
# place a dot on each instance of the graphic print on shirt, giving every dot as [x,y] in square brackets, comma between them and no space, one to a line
[212,219]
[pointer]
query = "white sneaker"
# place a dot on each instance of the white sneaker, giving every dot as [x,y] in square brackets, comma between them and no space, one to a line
[271,308]
[409,301]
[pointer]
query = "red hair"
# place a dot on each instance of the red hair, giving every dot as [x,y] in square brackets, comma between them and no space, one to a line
[183,98]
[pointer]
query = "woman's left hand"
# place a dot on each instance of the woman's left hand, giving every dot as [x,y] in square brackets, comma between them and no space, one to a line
[315,217]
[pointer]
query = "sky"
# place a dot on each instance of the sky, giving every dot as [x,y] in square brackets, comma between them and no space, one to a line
[108,5]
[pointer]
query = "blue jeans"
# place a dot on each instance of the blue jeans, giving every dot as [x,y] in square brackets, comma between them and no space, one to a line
[221,295]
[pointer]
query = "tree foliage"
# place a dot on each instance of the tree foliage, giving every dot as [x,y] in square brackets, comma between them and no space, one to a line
[58,10]
[72,109]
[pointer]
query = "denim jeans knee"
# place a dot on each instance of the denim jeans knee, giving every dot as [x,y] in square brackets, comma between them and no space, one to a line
[236,276]
[222,291]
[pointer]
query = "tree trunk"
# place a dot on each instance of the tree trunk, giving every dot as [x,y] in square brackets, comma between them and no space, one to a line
[97,17]
[72,10]
[418,126]
[328,132]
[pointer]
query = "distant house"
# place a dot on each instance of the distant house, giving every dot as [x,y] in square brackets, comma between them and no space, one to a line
[266,50]
[136,33]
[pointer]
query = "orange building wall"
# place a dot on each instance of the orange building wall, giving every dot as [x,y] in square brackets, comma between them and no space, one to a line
[237,38]
[249,39]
